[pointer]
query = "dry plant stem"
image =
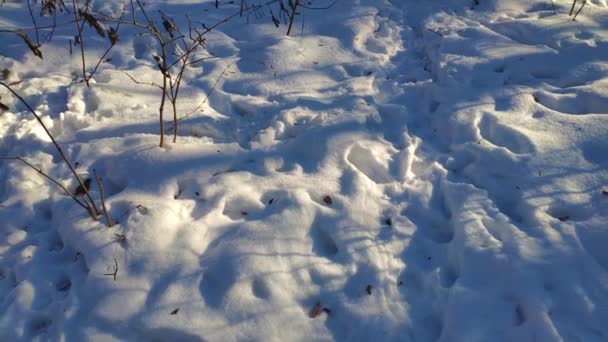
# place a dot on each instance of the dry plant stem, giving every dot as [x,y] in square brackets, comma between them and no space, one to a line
[292,16]
[210,91]
[174,121]
[79,28]
[572,8]
[152,84]
[45,27]
[29,8]
[164,71]
[161,109]
[170,86]
[174,86]
[579,10]
[66,190]
[89,209]
[210,28]
[102,58]
[115,272]
[63,156]
[103,200]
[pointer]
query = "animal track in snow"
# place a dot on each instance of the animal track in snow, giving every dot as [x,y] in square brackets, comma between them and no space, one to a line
[260,289]
[242,208]
[322,242]
[448,276]
[372,159]
[504,136]
[430,225]
[569,212]
[594,241]
[39,325]
[579,102]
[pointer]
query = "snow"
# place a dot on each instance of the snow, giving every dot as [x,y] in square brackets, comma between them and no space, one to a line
[394,170]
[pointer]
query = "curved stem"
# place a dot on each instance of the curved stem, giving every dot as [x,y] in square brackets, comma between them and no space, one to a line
[63,156]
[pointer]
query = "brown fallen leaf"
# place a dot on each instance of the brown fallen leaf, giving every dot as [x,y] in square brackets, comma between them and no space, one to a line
[368,289]
[563,218]
[328,200]
[604,192]
[174,312]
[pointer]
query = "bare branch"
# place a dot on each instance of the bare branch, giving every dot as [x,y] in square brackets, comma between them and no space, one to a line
[103,201]
[144,83]
[59,149]
[45,175]
[115,270]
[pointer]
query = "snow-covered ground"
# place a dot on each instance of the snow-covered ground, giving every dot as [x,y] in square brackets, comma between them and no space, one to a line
[396,170]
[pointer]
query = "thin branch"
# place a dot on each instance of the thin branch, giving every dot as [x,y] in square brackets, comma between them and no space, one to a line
[115,272]
[39,170]
[103,201]
[319,8]
[143,83]
[210,91]
[292,16]
[79,29]
[45,27]
[161,108]
[579,10]
[572,8]
[63,156]
[200,60]
[29,8]
[88,207]
[228,18]
[132,10]
[101,59]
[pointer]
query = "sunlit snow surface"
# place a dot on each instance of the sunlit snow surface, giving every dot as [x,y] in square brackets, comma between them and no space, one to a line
[421,170]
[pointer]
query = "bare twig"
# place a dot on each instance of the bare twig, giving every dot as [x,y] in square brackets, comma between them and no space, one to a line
[115,271]
[29,8]
[59,149]
[579,10]
[79,29]
[293,15]
[39,170]
[89,208]
[103,200]
[210,91]
[572,8]
[228,18]
[112,43]
[33,28]
[319,8]
[142,83]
